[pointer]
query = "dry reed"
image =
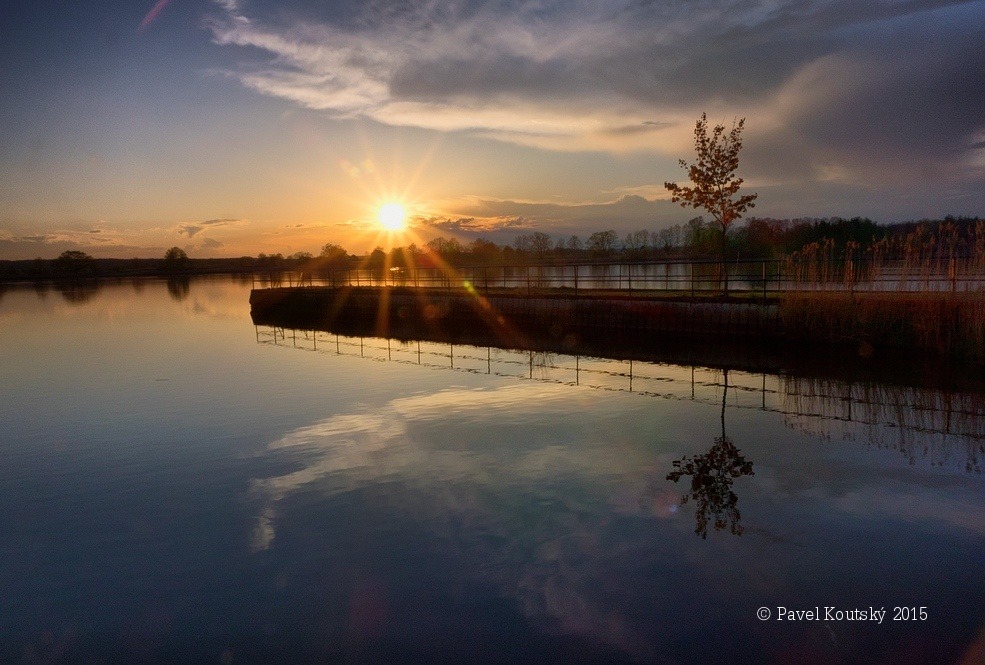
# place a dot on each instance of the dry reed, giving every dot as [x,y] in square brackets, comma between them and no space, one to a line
[944,258]
[948,324]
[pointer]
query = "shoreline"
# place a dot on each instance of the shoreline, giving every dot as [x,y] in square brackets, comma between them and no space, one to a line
[943,325]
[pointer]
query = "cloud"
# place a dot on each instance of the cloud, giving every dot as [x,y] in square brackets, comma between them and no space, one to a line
[152,14]
[633,130]
[961,511]
[502,220]
[104,243]
[835,91]
[472,225]
[191,229]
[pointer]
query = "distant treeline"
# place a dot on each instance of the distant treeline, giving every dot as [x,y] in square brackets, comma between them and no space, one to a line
[78,265]
[757,238]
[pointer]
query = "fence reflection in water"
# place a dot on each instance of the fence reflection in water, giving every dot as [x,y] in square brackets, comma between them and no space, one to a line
[927,425]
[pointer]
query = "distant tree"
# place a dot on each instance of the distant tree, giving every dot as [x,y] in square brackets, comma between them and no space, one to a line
[713,176]
[700,237]
[175,259]
[602,243]
[522,244]
[449,249]
[397,258]
[636,243]
[332,251]
[670,237]
[270,261]
[332,257]
[540,244]
[300,256]
[377,258]
[73,255]
[175,254]
[483,251]
[74,263]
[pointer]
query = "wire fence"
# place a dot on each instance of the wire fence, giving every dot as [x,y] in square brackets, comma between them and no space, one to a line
[694,278]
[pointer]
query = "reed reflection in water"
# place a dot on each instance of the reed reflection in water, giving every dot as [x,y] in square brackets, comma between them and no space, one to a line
[931,425]
[922,424]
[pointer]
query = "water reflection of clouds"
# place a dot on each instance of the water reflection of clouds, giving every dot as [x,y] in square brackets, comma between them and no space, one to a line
[530,504]
[514,401]
[213,310]
[547,561]
[355,448]
[962,511]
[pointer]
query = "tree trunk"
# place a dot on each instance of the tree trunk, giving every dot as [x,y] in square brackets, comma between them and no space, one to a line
[724,266]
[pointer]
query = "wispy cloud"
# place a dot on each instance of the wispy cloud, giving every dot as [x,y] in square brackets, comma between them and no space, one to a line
[152,14]
[113,240]
[192,229]
[104,242]
[472,225]
[831,86]
[501,220]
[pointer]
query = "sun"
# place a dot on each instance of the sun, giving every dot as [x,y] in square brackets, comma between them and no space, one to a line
[392,217]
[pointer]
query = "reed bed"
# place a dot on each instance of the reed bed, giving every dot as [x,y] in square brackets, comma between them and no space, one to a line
[945,257]
[948,324]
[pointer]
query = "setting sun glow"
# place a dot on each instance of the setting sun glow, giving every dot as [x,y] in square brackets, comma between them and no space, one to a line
[392,217]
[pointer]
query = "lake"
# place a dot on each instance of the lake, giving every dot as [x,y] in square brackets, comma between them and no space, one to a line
[177,484]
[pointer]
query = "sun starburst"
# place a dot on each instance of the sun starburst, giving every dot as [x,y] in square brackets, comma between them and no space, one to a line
[392,217]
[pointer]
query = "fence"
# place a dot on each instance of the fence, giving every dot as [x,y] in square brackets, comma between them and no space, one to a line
[671,277]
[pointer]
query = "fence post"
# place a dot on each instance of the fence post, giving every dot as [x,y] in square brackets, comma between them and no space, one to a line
[764,282]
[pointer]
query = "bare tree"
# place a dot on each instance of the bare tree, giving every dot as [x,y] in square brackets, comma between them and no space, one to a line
[636,244]
[713,176]
[602,243]
[541,244]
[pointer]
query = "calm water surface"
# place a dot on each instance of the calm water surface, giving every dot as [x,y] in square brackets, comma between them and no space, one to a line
[178,485]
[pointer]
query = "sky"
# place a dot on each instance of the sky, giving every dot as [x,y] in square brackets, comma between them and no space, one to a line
[233,127]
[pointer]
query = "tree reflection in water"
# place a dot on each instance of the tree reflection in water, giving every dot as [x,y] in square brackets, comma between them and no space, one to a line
[179,288]
[78,292]
[712,475]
